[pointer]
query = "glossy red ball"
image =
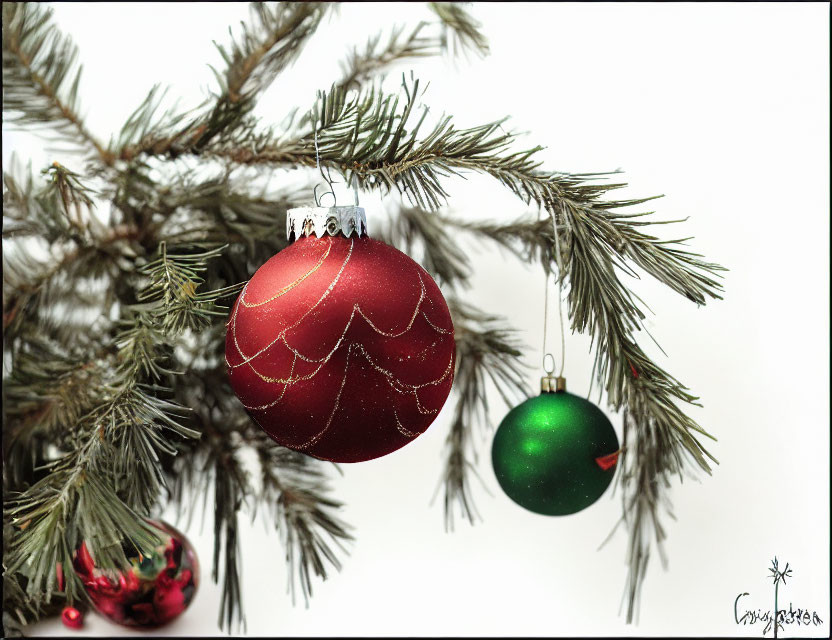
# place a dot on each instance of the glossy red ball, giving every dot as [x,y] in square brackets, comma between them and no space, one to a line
[342,348]
[153,591]
[72,617]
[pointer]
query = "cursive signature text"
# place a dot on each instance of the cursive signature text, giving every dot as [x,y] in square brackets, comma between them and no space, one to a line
[791,616]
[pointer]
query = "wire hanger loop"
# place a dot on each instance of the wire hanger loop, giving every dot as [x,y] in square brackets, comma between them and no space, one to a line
[327,178]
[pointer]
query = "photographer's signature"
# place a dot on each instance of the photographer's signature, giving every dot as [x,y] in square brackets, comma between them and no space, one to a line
[805,617]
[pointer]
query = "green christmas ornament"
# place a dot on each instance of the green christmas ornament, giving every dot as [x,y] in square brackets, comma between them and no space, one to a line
[555,454]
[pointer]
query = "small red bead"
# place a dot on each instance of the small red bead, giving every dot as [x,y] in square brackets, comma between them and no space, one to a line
[72,617]
[633,369]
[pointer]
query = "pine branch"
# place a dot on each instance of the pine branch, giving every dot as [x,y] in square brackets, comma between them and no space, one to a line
[45,391]
[75,198]
[57,209]
[30,282]
[69,506]
[424,236]
[683,271]
[366,137]
[215,458]
[458,31]
[230,488]
[111,472]
[485,351]
[173,281]
[19,609]
[60,252]
[269,44]
[52,220]
[294,490]
[97,404]
[375,138]
[461,31]
[362,66]
[272,43]
[146,127]
[527,239]
[222,209]
[38,67]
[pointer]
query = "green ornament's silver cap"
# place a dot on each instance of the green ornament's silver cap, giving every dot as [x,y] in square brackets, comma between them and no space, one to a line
[552,384]
[321,221]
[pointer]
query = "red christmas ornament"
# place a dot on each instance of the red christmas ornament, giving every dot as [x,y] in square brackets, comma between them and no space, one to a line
[72,618]
[153,591]
[340,346]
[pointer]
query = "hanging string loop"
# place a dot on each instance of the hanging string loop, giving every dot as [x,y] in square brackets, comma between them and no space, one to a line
[559,261]
[549,369]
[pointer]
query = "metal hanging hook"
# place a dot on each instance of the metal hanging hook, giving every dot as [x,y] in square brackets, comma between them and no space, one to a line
[550,382]
[560,291]
[327,178]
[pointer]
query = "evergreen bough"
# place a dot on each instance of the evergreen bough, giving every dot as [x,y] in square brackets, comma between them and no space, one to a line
[115,395]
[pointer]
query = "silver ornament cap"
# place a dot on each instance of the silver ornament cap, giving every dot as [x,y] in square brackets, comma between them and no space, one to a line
[321,221]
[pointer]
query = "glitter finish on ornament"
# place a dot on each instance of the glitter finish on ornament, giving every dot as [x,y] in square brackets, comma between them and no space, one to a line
[153,591]
[546,450]
[342,348]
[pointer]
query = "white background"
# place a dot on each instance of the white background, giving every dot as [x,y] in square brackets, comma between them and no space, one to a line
[723,108]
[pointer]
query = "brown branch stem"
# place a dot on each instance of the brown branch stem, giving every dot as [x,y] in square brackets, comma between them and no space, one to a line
[250,62]
[106,156]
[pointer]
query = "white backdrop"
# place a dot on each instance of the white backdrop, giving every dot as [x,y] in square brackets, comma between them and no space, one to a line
[723,108]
